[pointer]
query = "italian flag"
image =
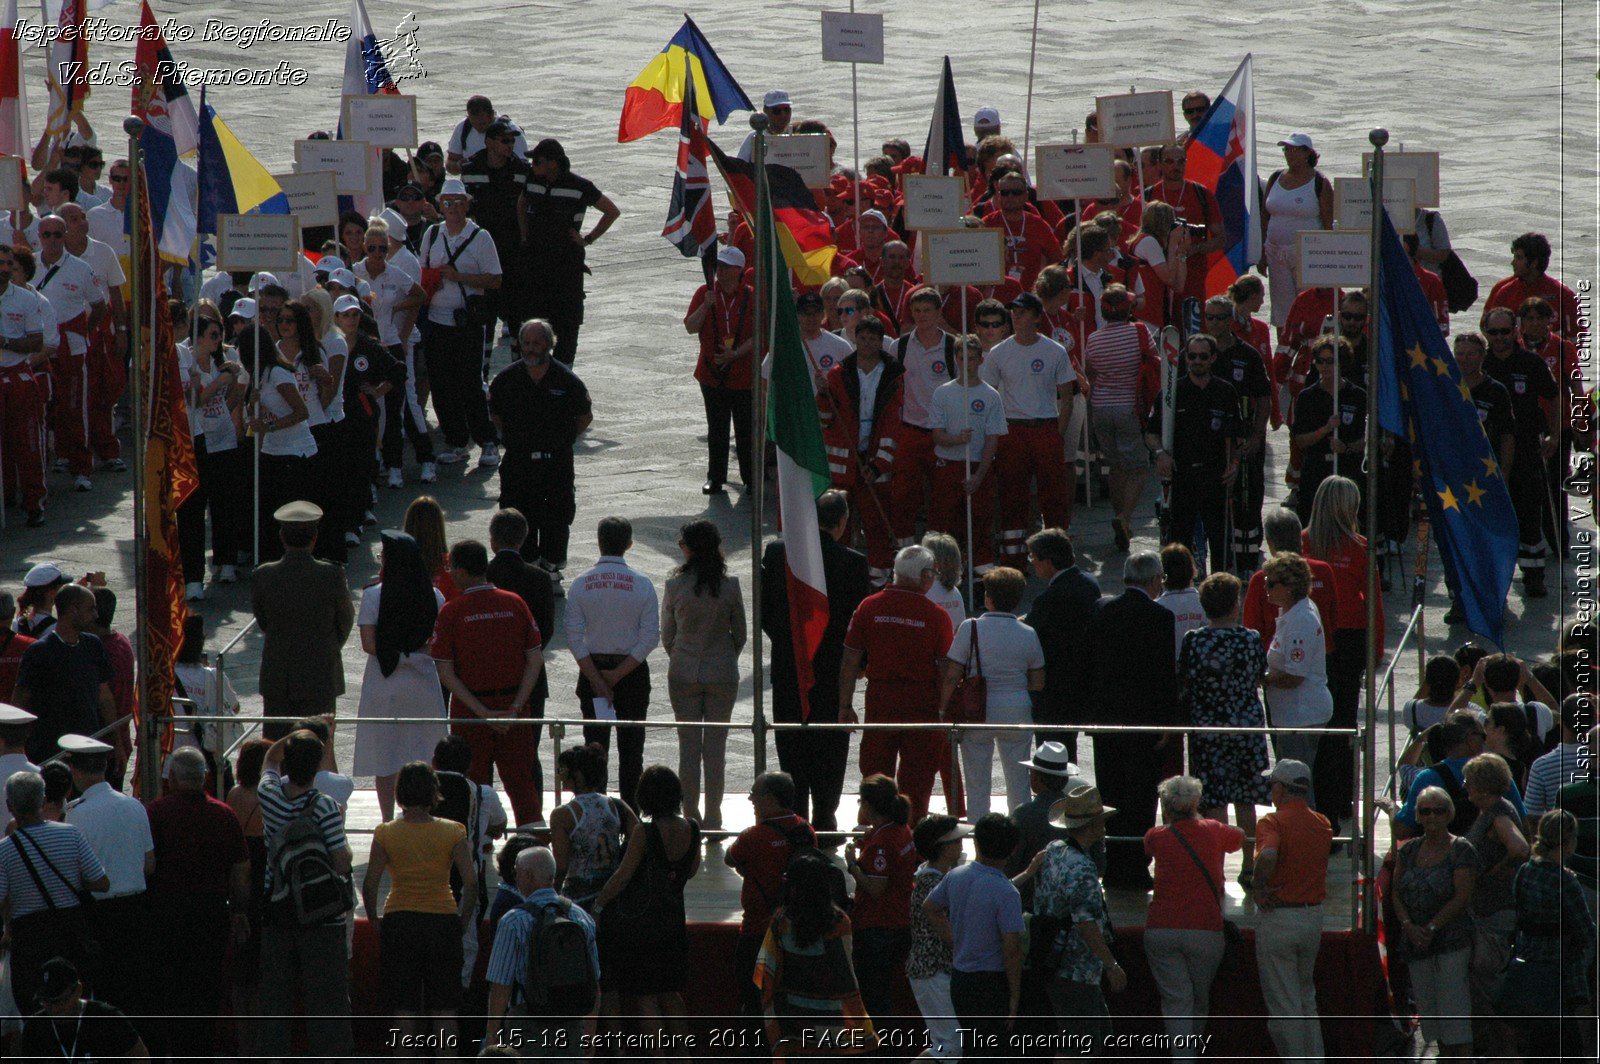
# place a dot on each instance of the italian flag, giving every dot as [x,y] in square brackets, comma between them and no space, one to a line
[796,432]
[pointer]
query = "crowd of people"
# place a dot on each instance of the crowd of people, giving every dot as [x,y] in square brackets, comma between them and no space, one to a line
[329,372]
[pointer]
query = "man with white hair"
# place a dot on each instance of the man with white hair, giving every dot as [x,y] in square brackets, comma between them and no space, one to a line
[201,884]
[903,636]
[551,1028]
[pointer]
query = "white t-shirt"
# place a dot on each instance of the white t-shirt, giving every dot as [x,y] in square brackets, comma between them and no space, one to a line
[1027,376]
[825,352]
[1418,715]
[1008,648]
[102,259]
[310,394]
[926,369]
[20,315]
[1185,607]
[118,830]
[72,291]
[336,785]
[211,418]
[1300,649]
[200,684]
[949,599]
[956,407]
[869,380]
[334,346]
[388,288]
[478,256]
[105,224]
[467,142]
[1150,250]
[296,439]
[48,321]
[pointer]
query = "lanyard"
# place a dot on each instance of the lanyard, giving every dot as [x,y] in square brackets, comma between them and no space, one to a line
[69,1054]
[899,303]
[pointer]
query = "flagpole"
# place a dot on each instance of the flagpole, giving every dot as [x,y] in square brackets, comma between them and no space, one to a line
[966,456]
[148,738]
[855,133]
[1027,117]
[758,434]
[1364,824]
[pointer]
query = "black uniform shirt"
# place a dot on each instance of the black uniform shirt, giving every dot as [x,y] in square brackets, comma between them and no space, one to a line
[494,193]
[1204,419]
[1313,407]
[1528,379]
[555,211]
[538,417]
[1495,412]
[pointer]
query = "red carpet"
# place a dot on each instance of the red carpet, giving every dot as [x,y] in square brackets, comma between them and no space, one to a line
[1349,982]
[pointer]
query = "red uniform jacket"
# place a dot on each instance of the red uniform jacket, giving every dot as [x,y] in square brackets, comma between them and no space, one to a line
[840,406]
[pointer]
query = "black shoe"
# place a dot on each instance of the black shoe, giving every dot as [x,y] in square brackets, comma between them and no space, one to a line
[1119,534]
[1533,584]
[35,518]
[713,487]
[1454,615]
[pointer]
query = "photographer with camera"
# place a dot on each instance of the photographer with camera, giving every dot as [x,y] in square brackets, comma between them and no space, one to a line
[462,256]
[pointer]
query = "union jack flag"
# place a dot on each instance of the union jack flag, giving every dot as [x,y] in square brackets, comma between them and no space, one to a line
[691,223]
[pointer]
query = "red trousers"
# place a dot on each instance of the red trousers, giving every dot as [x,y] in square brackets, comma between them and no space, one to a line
[911,758]
[949,511]
[22,418]
[108,376]
[871,514]
[1030,453]
[510,751]
[69,410]
[914,463]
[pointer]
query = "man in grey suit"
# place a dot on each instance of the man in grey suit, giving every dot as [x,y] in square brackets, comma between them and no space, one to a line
[303,607]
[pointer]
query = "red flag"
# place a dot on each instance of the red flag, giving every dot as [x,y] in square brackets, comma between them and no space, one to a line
[13,104]
[169,472]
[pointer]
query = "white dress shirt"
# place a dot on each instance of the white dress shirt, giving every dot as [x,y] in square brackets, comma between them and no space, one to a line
[611,609]
[118,830]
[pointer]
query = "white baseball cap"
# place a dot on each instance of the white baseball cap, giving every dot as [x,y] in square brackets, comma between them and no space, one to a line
[775,98]
[346,302]
[244,308]
[343,278]
[44,574]
[731,256]
[329,263]
[986,118]
[876,216]
[1297,140]
[263,279]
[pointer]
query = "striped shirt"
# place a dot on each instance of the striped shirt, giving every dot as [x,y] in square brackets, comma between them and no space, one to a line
[64,847]
[277,809]
[508,963]
[1111,359]
[1551,772]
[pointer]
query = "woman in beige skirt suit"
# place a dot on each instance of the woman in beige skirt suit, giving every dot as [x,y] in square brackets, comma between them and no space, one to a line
[702,631]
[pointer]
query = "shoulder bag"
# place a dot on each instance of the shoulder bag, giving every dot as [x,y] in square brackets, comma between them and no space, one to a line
[970,704]
[1460,287]
[1232,937]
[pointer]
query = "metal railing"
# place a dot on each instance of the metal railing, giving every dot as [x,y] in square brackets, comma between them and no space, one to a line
[1386,687]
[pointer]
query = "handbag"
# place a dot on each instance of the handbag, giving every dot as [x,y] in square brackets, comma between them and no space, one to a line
[474,310]
[972,692]
[1460,287]
[1232,937]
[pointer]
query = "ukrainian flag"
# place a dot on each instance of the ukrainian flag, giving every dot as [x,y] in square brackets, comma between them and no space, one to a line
[655,98]
[231,180]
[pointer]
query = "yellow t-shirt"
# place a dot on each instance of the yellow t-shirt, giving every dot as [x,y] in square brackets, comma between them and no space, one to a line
[419,864]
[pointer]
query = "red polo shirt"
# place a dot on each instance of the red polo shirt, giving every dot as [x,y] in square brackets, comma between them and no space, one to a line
[486,634]
[1031,245]
[729,322]
[903,634]
[888,854]
[11,647]
[198,840]
[1349,564]
[760,855]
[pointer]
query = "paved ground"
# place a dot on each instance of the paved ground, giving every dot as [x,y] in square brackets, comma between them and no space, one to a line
[1503,90]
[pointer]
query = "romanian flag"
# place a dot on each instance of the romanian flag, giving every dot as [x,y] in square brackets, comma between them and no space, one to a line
[654,99]
[231,180]
[13,99]
[1222,159]
[803,232]
[169,473]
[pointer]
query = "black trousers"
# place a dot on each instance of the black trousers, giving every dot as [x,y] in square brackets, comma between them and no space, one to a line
[981,1001]
[356,463]
[190,976]
[563,309]
[119,926]
[223,495]
[283,479]
[1198,495]
[725,405]
[1530,500]
[1249,493]
[1134,766]
[817,761]
[1332,777]
[325,488]
[455,364]
[402,421]
[631,697]
[879,956]
[545,490]
[1396,484]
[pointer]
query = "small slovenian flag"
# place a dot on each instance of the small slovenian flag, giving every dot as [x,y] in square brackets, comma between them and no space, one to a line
[1222,159]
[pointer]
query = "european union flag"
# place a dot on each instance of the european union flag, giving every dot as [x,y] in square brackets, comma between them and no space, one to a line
[1420,396]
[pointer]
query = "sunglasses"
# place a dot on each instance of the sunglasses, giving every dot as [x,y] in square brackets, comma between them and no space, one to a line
[377,247]
[992,323]
[1013,192]
[1432,810]
[408,197]
[1200,110]
[1217,317]
[1346,316]
[53,234]
[1201,356]
[115,180]
[1498,332]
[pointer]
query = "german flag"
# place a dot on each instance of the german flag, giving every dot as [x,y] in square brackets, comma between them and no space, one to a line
[804,233]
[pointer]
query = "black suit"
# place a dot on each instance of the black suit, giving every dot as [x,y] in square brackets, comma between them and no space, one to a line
[816,761]
[1132,680]
[1061,615]
[509,572]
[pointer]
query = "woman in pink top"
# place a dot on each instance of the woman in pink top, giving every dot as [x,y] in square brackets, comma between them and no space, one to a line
[1183,932]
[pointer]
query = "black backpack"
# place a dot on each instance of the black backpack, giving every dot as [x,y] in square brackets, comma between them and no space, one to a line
[303,874]
[803,846]
[461,801]
[1466,813]
[560,978]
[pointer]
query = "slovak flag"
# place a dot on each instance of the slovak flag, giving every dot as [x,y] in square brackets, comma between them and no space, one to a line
[1222,158]
[691,222]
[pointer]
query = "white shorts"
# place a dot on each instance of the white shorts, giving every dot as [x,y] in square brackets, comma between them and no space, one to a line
[939,1014]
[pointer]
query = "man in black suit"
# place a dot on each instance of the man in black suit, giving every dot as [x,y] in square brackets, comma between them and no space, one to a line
[509,571]
[816,760]
[1061,616]
[1132,681]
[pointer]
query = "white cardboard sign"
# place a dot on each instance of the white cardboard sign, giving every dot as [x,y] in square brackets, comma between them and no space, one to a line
[350,160]
[933,202]
[1135,119]
[13,183]
[804,153]
[381,121]
[312,196]
[851,38]
[1334,258]
[965,256]
[1075,171]
[255,242]
[1421,165]
[1352,202]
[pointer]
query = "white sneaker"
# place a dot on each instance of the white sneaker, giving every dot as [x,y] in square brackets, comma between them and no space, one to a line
[370,519]
[227,574]
[352,540]
[430,473]
[60,465]
[195,591]
[452,455]
[490,458]
[396,480]
[83,484]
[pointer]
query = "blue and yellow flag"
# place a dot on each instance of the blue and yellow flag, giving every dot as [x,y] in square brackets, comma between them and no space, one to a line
[231,180]
[1420,396]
